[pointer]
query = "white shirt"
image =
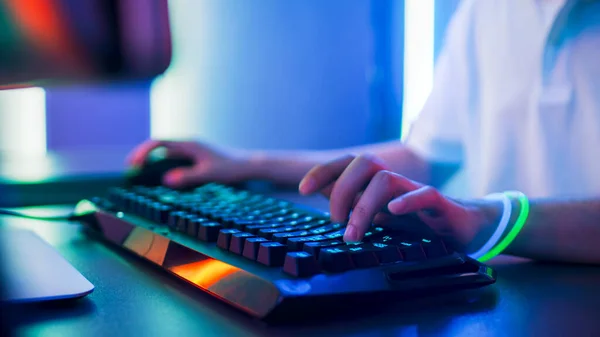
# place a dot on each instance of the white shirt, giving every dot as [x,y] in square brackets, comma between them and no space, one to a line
[516,111]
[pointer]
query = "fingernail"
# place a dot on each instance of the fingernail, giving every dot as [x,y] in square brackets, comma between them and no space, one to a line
[351,234]
[396,206]
[307,185]
[171,179]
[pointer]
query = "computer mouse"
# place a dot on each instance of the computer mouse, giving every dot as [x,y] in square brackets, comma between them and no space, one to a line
[152,171]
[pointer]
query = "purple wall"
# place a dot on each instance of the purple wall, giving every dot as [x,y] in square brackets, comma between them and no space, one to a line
[93,117]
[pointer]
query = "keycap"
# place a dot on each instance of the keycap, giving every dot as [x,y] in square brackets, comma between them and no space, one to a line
[230,220]
[338,234]
[297,243]
[193,224]
[251,246]
[362,256]
[434,248]
[315,247]
[313,224]
[335,260]
[237,242]
[163,214]
[283,236]
[411,251]
[268,232]
[271,254]
[300,264]
[242,223]
[255,228]
[183,222]
[140,206]
[127,201]
[299,221]
[326,228]
[209,231]
[385,253]
[224,238]
[152,210]
[174,219]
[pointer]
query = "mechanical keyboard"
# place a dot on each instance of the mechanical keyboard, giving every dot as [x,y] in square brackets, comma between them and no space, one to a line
[267,256]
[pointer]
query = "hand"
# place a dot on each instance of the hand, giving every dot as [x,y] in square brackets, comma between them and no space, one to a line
[363,187]
[211,163]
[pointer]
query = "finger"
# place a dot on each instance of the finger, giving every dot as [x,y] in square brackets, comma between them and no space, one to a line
[384,187]
[322,175]
[326,191]
[184,177]
[140,153]
[425,198]
[353,180]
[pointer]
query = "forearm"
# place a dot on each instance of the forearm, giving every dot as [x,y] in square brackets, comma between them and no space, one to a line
[289,167]
[560,230]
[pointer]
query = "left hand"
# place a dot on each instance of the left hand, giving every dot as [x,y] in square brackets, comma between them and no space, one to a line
[388,195]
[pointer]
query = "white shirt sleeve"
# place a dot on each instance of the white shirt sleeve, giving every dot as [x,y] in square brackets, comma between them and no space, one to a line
[437,133]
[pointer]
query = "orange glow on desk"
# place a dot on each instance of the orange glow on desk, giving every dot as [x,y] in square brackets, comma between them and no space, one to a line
[205,273]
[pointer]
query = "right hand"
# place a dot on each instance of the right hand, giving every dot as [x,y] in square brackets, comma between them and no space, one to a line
[211,164]
[362,191]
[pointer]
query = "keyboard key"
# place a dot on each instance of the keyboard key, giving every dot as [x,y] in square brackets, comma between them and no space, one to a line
[209,231]
[297,243]
[299,221]
[283,237]
[335,260]
[224,239]
[174,219]
[237,242]
[163,214]
[362,256]
[300,264]
[434,248]
[313,224]
[315,247]
[373,234]
[251,246]
[242,224]
[271,254]
[339,234]
[268,232]
[411,251]
[255,228]
[385,253]
[327,228]
[183,222]
[230,220]
[192,227]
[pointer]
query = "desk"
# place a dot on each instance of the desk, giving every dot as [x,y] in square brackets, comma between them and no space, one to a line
[130,299]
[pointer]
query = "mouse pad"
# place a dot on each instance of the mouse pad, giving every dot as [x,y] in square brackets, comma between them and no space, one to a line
[34,271]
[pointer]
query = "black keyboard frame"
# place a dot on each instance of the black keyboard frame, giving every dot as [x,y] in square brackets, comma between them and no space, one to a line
[263,291]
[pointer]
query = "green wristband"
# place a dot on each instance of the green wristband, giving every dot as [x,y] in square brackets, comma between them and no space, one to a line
[523,215]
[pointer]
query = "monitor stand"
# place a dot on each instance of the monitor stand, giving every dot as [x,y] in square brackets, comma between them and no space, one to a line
[34,271]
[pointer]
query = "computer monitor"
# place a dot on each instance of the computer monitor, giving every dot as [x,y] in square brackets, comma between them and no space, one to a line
[56,42]
[48,42]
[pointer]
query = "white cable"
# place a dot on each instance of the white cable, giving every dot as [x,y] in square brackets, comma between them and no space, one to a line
[504,220]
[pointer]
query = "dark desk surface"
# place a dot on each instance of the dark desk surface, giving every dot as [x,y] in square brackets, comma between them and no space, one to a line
[529,299]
